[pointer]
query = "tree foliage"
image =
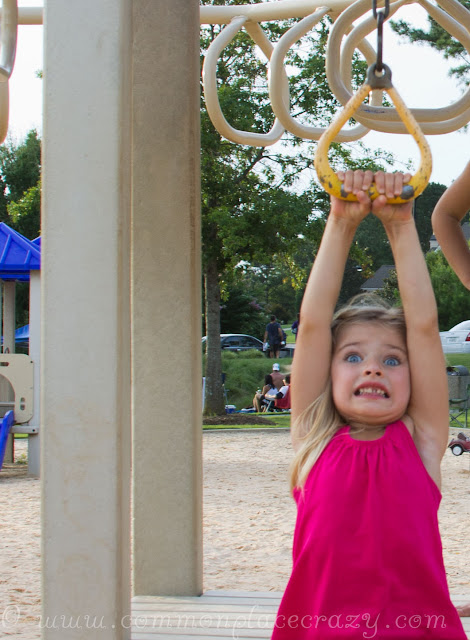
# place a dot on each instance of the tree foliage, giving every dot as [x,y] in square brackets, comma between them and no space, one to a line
[453,301]
[20,185]
[440,39]
[372,237]
[20,200]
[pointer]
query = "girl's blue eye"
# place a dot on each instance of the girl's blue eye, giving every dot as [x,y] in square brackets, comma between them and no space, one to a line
[353,357]
[392,362]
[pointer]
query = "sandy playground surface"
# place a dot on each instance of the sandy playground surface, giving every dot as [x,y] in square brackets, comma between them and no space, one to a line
[248,524]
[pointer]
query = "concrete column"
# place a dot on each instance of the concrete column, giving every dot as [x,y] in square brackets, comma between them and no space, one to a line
[9,307]
[166,299]
[34,354]
[9,328]
[85,333]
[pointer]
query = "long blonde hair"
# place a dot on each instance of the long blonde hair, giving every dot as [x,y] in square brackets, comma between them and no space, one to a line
[320,421]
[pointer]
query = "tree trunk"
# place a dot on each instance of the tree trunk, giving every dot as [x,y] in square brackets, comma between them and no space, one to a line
[214,396]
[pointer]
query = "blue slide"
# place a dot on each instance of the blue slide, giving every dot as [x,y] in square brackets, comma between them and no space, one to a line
[6,423]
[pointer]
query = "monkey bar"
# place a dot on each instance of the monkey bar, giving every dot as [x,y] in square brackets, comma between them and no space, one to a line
[450,14]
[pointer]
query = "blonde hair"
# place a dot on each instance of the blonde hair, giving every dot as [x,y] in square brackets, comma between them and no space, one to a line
[320,421]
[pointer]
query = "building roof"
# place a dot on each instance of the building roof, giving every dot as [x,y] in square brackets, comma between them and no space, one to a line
[18,255]
[377,280]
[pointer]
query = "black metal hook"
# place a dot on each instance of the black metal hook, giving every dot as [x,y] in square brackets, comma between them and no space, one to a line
[380,16]
[385,10]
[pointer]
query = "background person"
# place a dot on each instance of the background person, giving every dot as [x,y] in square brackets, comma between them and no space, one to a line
[277,376]
[273,336]
[447,216]
[295,326]
[259,396]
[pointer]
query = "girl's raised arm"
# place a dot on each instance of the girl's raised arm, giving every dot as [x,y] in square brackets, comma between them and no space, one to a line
[446,218]
[428,415]
[311,365]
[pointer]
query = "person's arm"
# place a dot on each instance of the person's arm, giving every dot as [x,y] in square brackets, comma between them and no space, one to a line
[311,365]
[428,408]
[446,219]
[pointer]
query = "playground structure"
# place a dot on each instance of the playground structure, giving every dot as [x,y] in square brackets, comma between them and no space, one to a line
[123,184]
[19,374]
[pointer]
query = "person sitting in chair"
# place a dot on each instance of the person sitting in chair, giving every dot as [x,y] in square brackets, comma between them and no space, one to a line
[269,387]
[273,397]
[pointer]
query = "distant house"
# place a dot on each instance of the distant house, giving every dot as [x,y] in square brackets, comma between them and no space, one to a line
[377,280]
[434,245]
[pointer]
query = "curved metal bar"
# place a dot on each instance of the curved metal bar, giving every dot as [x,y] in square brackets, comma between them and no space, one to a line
[439,120]
[277,92]
[30,15]
[8,35]
[353,41]
[260,12]
[328,177]
[209,78]
[4,109]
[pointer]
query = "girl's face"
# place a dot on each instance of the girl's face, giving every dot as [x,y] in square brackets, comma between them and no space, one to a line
[370,375]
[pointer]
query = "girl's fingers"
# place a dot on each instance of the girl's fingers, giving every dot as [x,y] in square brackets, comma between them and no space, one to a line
[354,181]
[388,184]
[391,184]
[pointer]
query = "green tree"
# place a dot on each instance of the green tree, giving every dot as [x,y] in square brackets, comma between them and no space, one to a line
[438,38]
[453,301]
[371,234]
[241,312]
[390,290]
[25,214]
[20,166]
[424,206]
[20,199]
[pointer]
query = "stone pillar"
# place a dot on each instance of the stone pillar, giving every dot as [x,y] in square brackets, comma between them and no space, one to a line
[34,354]
[9,308]
[166,299]
[85,332]
[7,393]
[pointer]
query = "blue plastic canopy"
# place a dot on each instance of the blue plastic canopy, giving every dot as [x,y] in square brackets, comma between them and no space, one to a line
[18,255]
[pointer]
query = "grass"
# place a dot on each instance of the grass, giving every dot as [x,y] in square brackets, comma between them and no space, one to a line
[276,420]
[458,358]
[289,334]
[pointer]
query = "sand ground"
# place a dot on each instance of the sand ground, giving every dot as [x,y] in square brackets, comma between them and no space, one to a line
[248,524]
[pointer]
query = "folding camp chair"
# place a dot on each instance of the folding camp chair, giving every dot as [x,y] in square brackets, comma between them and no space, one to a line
[458,379]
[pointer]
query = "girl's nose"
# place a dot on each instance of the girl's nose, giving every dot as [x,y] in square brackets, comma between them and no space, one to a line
[373,369]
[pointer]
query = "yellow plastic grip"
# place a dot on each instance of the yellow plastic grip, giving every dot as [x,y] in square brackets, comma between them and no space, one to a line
[327,176]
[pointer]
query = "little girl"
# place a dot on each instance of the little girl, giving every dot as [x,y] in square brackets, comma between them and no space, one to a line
[370,427]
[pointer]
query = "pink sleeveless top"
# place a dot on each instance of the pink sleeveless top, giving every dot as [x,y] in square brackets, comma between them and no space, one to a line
[367,556]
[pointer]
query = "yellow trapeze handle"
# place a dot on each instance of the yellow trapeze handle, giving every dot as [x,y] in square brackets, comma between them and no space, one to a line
[326,174]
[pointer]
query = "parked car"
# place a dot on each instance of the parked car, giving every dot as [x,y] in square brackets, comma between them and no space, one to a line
[237,342]
[460,444]
[457,339]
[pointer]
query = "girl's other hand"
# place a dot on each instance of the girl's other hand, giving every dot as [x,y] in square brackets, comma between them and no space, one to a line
[390,185]
[356,182]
